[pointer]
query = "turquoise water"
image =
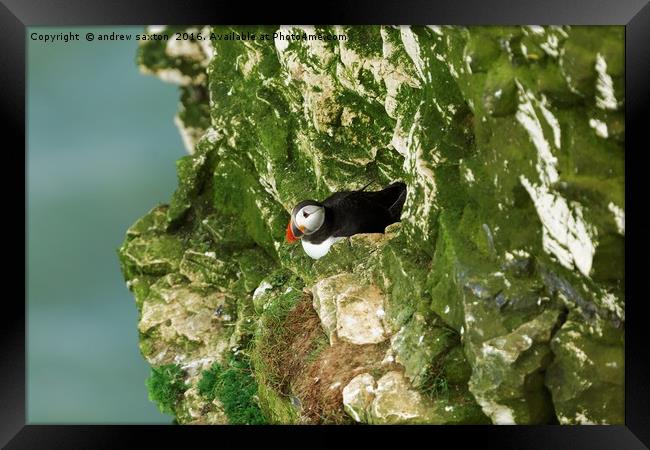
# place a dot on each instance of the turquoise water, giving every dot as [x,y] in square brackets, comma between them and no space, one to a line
[101,152]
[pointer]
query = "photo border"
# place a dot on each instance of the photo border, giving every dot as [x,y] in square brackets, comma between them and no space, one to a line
[16,15]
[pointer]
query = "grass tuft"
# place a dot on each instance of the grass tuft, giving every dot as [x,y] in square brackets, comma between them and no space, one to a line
[166,386]
[236,389]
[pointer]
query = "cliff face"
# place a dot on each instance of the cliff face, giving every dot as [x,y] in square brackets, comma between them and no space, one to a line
[498,298]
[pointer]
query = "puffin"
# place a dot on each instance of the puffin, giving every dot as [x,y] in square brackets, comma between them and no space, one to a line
[343,214]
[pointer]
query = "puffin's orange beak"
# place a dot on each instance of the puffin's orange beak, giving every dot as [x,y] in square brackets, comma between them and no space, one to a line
[291,235]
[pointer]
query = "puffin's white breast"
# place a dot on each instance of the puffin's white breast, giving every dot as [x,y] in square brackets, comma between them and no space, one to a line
[317,251]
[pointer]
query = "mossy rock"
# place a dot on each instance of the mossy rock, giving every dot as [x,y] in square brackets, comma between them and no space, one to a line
[505,269]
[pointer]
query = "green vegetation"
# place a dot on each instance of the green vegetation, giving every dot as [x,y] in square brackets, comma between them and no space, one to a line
[235,387]
[435,385]
[166,386]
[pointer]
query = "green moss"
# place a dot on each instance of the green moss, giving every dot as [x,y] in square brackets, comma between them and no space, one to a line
[253,265]
[192,172]
[235,387]
[442,282]
[152,255]
[154,220]
[166,386]
[456,368]
[407,269]
[481,51]
[195,107]
[141,288]
[264,227]
[500,91]
[146,345]
[552,83]
[365,40]
[186,345]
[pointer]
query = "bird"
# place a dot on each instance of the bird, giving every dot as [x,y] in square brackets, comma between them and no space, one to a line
[343,214]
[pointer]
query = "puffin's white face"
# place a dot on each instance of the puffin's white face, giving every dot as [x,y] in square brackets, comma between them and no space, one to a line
[310,218]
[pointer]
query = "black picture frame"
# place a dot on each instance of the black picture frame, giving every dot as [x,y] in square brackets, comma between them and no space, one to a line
[16,15]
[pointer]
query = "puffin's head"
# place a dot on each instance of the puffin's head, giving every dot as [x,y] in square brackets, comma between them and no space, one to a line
[306,218]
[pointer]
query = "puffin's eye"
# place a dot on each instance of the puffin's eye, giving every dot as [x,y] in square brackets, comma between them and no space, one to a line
[305,214]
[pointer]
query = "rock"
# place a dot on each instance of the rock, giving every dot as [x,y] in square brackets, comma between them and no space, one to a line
[154,256]
[359,312]
[456,369]
[418,343]
[481,51]
[185,319]
[350,310]
[324,297]
[389,400]
[498,297]
[358,396]
[507,367]
[204,268]
[395,401]
[587,374]
[500,95]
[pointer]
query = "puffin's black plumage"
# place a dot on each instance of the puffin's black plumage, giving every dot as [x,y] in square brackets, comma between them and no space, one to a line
[353,212]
